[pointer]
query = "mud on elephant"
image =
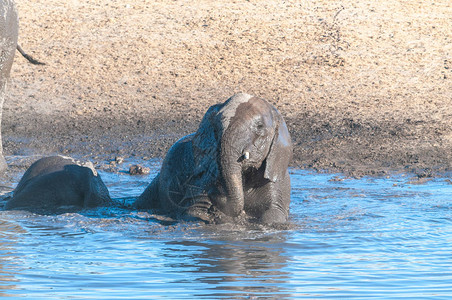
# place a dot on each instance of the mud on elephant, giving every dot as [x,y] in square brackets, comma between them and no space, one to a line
[59,184]
[235,164]
[9,30]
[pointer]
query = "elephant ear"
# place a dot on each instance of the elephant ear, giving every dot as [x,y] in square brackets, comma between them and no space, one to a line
[206,137]
[205,143]
[280,153]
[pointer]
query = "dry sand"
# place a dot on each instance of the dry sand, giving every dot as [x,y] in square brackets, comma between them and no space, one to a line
[365,86]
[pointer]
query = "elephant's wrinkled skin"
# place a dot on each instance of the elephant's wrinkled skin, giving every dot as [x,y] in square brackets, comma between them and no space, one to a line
[236,163]
[9,30]
[58,183]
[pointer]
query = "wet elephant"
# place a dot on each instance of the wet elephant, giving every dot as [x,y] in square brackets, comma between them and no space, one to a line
[9,30]
[236,164]
[59,183]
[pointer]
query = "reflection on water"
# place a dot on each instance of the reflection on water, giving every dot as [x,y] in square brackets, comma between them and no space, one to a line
[228,267]
[365,238]
[9,258]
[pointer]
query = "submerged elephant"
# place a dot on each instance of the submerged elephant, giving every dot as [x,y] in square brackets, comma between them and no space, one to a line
[59,183]
[9,30]
[236,163]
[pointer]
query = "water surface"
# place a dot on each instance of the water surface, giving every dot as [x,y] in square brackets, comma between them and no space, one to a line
[348,238]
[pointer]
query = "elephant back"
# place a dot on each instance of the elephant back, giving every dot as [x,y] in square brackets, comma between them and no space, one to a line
[54,182]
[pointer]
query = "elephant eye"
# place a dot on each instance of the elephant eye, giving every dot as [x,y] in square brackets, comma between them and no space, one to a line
[260,129]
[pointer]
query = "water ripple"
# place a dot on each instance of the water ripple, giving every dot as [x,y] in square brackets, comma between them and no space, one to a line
[377,238]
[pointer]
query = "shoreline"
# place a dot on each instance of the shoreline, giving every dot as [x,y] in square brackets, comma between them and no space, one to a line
[94,142]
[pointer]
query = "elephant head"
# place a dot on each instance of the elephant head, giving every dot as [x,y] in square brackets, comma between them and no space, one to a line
[235,164]
[251,135]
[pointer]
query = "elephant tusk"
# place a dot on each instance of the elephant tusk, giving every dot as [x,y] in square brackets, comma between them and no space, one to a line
[246,155]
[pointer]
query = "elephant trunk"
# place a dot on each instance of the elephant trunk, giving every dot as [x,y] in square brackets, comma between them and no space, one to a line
[231,171]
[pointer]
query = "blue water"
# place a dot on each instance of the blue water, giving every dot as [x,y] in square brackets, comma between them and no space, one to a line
[365,238]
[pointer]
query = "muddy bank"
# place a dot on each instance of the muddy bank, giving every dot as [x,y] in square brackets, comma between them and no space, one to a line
[364,87]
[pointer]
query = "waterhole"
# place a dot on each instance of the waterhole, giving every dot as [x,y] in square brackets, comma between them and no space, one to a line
[363,238]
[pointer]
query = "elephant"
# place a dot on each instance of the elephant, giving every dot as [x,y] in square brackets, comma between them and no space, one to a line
[9,31]
[59,183]
[234,166]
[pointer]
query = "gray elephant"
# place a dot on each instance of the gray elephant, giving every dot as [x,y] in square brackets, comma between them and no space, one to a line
[9,30]
[235,164]
[59,183]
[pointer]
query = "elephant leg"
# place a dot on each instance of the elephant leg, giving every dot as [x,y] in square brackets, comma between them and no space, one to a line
[200,210]
[218,216]
[9,31]
[2,99]
[273,215]
[270,202]
[204,210]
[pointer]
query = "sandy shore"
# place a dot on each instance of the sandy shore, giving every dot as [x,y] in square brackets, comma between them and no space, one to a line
[365,87]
